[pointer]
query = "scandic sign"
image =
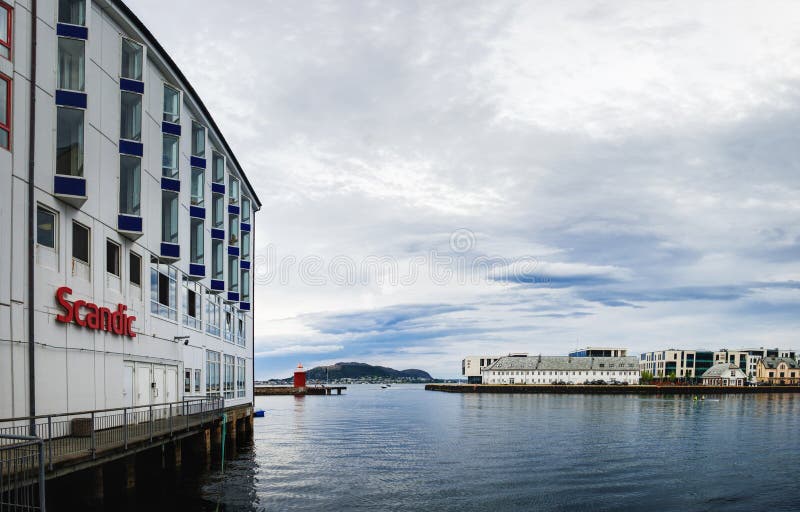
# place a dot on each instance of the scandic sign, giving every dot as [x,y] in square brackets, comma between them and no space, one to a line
[97,318]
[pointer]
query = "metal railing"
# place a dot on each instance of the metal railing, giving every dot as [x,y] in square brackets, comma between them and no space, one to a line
[80,434]
[21,473]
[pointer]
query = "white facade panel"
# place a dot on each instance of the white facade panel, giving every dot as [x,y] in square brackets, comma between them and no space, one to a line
[79,368]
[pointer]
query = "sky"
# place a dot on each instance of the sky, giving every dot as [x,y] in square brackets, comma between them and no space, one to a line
[443,178]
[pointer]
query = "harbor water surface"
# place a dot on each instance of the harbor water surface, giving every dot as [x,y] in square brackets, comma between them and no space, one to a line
[403,448]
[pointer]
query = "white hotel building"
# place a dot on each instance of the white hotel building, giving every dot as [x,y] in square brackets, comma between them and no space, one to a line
[561,369]
[117,191]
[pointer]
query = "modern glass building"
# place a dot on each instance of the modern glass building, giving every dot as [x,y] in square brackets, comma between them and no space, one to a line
[127,223]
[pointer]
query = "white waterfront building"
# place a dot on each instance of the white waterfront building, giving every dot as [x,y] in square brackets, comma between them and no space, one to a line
[557,369]
[133,285]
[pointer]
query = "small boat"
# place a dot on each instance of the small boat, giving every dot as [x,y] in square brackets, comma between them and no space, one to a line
[259,413]
[384,387]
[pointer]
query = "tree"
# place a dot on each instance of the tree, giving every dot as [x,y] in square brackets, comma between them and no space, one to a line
[646,376]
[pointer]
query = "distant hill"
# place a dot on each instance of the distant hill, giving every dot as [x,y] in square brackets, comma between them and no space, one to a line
[363,371]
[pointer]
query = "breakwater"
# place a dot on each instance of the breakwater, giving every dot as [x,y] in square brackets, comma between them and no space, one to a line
[579,389]
[289,390]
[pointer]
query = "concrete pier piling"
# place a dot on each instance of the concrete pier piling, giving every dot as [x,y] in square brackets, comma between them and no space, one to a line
[98,479]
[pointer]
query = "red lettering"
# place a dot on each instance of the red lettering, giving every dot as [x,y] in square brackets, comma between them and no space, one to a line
[67,317]
[76,310]
[97,318]
[105,324]
[118,319]
[129,326]
[93,316]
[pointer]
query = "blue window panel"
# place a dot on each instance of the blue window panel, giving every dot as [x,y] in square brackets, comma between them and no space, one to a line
[197,270]
[218,188]
[126,84]
[244,226]
[129,147]
[244,306]
[197,212]
[170,184]
[129,223]
[69,186]
[233,250]
[217,285]
[171,128]
[75,31]
[232,208]
[244,264]
[233,297]
[170,250]
[196,161]
[218,234]
[71,99]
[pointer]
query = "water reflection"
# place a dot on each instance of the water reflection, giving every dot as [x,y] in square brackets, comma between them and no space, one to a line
[407,449]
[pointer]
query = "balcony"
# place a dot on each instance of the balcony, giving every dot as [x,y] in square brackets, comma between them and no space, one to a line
[70,189]
[129,226]
[169,252]
[197,271]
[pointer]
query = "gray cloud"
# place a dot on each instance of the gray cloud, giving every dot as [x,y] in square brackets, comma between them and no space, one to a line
[644,154]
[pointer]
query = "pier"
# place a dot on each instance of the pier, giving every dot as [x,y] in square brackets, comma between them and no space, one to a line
[109,450]
[298,391]
[579,389]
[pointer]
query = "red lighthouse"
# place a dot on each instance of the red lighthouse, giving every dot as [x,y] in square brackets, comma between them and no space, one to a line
[300,376]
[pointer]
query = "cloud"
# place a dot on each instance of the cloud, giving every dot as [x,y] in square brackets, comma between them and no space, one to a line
[643,155]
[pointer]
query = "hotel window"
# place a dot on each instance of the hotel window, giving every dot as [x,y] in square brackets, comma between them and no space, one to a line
[245,285]
[130,179]
[233,190]
[169,163]
[80,243]
[172,104]
[213,308]
[197,380]
[169,220]
[240,325]
[163,283]
[245,245]
[241,377]
[5,30]
[217,260]
[245,209]
[198,181]
[233,274]
[135,270]
[46,222]
[196,249]
[72,12]
[233,229]
[218,211]
[187,380]
[198,140]
[71,64]
[227,323]
[230,367]
[112,258]
[217,168]
[69,141]
[192,305]
[130,116]
[132,58]
[212,373]
[5,112]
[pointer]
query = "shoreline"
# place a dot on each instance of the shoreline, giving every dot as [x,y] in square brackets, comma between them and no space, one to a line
[581,389]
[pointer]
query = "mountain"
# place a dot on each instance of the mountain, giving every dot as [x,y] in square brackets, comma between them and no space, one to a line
[363,371]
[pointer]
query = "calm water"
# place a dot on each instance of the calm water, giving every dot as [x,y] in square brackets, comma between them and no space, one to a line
[407,449]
